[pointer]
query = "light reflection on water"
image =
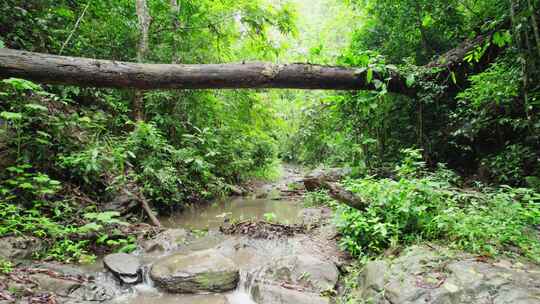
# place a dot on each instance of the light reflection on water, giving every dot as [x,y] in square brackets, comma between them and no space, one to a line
[239,209]
[211,217]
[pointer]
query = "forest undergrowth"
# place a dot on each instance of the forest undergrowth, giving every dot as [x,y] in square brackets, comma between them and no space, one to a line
[456,162]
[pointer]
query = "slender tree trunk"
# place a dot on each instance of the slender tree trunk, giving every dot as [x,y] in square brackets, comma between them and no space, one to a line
[175,10]
[534,25]
[517,33]
[423,35]
[144,26]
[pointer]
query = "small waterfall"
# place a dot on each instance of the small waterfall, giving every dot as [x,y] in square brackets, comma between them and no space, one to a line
[147,285]
[242,294]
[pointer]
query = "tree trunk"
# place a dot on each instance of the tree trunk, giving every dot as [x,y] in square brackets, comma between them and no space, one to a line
[175,10]
[534,23]
[328,180]
[55,69]
[144,26]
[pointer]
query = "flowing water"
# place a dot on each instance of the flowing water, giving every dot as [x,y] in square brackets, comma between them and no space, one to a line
[252,253]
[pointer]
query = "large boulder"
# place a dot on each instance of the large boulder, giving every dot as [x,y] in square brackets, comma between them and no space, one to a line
[200,271]
[125,267]
[19,247]
[293,279]
[425,275]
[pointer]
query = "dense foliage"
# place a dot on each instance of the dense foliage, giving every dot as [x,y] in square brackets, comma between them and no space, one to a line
[431,206]
[67,153]
[66,147]
[488,129]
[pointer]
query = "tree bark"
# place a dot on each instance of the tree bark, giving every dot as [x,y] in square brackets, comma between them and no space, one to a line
[55,69]
[534,23]
[144,26]
[175,10]
[329,181]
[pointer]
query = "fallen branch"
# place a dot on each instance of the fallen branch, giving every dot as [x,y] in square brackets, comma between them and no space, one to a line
[328,180]
[339,193]
[263,229]
[146,207]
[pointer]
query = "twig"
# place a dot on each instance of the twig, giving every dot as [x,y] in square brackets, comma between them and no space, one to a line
[75,27]
[146,207]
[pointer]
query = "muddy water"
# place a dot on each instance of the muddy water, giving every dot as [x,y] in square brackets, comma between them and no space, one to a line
[245,252]
[234,209]
[252,252]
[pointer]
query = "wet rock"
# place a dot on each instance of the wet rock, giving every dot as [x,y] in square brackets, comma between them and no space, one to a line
[294,279]
[315,216]
[237,190]
[125,267]
[280,295]
[201,271]
[15,247]
[94,292]
[153,298]
[123,204]
[64,283]
[423,275]
[58,286]
[166,241]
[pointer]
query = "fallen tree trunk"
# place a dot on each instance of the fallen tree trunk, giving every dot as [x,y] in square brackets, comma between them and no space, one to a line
[328,180]
[54,69]
[450,69]
[340,194]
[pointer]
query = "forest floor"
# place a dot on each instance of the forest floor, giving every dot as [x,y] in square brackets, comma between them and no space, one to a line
[283,252]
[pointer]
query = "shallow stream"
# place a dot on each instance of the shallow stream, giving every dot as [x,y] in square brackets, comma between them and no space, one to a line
[206,221]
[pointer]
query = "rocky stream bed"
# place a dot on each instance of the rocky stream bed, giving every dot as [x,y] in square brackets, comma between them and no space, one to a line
[244,258]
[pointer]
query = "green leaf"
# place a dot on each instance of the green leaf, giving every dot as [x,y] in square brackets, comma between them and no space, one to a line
[11,116]
[22,84]
[410,80]
[378,84]
[128,248]
[427,21]
[41,178]
[85,119]
[90,227]
[369,75]
[502,38]
[44,134]
[453,75]
[26,186]
[37,107]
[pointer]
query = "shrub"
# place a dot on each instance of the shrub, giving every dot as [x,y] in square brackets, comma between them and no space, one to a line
[485,221]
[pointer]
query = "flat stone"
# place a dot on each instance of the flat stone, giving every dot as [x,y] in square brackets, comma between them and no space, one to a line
[280,295]
[200,271]
[19,247]
[293,279]
[62,287]
[426,275]
[126,267]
